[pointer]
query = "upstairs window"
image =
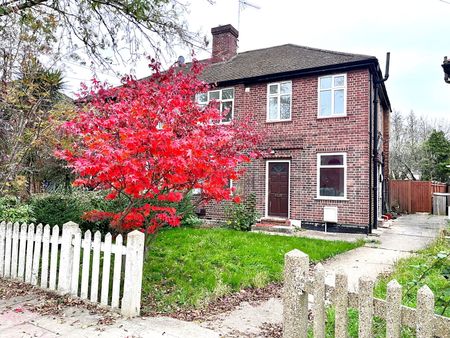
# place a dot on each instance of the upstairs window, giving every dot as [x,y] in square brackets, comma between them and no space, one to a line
[333,95]
[332,176]
[225,99]
[279,99]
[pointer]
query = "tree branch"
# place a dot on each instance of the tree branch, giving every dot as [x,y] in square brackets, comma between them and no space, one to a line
[10,7]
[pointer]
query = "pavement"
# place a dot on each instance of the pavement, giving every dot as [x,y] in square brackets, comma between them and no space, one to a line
[17,321]
[405,235]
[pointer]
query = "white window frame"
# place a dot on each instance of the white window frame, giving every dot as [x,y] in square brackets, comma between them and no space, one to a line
[278,95]
[220,101]
[333,89]
[266,209]
[319,166]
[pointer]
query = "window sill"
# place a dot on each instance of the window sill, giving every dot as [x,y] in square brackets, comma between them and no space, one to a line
[329,198]
[331,117]
[278,121]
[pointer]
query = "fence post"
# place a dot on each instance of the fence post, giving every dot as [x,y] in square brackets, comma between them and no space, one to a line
[295,299]
[393,309]
[66,258]
[424,312]
[319,302]
[134,262]
[341,304]
[365,307]
[2,247]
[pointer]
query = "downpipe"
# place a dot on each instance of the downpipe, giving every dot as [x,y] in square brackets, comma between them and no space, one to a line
[377,84]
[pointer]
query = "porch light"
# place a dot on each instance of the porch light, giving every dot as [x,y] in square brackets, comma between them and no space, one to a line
[446,66]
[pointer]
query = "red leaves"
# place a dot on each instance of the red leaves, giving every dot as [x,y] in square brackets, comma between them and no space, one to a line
[149,139]
[171,197]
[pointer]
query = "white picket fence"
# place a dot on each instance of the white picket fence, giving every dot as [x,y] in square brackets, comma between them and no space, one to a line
[299,284]
[39,255]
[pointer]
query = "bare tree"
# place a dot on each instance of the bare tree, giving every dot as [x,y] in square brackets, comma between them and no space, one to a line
[407,137]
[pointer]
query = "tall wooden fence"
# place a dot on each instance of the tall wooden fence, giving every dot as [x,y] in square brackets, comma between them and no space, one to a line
[413,196]
[299,284]
[100,271]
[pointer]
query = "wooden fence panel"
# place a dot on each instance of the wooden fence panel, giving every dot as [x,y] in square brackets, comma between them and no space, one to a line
[22,251]
[27,251]
[2,246]
[45,256]
[8,252]
[421,197]
[36,255]
[413,196]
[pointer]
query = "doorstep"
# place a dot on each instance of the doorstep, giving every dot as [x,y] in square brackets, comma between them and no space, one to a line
[273,228]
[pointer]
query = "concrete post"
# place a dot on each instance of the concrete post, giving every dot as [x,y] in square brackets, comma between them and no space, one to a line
[424,312]
[341,304]
[393,309]
[365,307]
[295,299]
[319,302]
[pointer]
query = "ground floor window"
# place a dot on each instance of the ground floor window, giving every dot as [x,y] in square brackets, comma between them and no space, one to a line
[332,175]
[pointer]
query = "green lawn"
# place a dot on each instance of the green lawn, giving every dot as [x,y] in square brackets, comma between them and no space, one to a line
[188,267]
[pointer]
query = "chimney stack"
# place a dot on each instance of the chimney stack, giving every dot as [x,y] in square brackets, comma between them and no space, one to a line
[225,41]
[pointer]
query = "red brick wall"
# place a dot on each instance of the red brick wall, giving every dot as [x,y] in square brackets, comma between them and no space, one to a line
[307,135]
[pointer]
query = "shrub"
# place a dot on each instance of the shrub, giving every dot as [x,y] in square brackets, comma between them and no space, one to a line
[241,216]
[60,208]
[12,210]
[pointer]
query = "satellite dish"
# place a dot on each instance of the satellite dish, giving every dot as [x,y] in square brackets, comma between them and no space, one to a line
[180,60]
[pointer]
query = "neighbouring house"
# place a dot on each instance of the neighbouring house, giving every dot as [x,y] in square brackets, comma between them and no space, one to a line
[327,131]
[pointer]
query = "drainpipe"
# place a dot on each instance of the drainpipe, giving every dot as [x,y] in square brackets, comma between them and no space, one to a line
[377,84]
[369,228]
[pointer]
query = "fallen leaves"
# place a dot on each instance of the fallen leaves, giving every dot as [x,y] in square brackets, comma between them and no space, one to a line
[220,305]
[47,303]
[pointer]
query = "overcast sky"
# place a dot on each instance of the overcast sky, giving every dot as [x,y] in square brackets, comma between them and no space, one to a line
[416,32]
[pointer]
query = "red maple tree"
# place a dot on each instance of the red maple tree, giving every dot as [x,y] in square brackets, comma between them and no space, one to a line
[150,143]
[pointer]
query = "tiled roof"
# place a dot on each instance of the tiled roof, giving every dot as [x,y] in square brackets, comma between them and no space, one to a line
[277,60]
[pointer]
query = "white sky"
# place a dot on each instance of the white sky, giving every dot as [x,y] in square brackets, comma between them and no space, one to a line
[416,32]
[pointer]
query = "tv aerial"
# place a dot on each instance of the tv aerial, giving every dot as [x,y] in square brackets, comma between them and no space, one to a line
[242,5]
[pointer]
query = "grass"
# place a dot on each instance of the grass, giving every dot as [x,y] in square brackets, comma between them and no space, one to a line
[187,267]
[408,273]
[378,327]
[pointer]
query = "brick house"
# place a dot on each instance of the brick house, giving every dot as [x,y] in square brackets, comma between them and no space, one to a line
[316,109]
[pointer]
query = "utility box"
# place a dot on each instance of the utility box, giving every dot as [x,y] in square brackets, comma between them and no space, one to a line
[330,214]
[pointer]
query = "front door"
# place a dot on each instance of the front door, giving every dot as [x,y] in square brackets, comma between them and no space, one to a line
[278,192]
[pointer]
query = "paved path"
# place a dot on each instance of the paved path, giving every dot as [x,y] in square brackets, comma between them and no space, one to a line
[406,235]
[18,322]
